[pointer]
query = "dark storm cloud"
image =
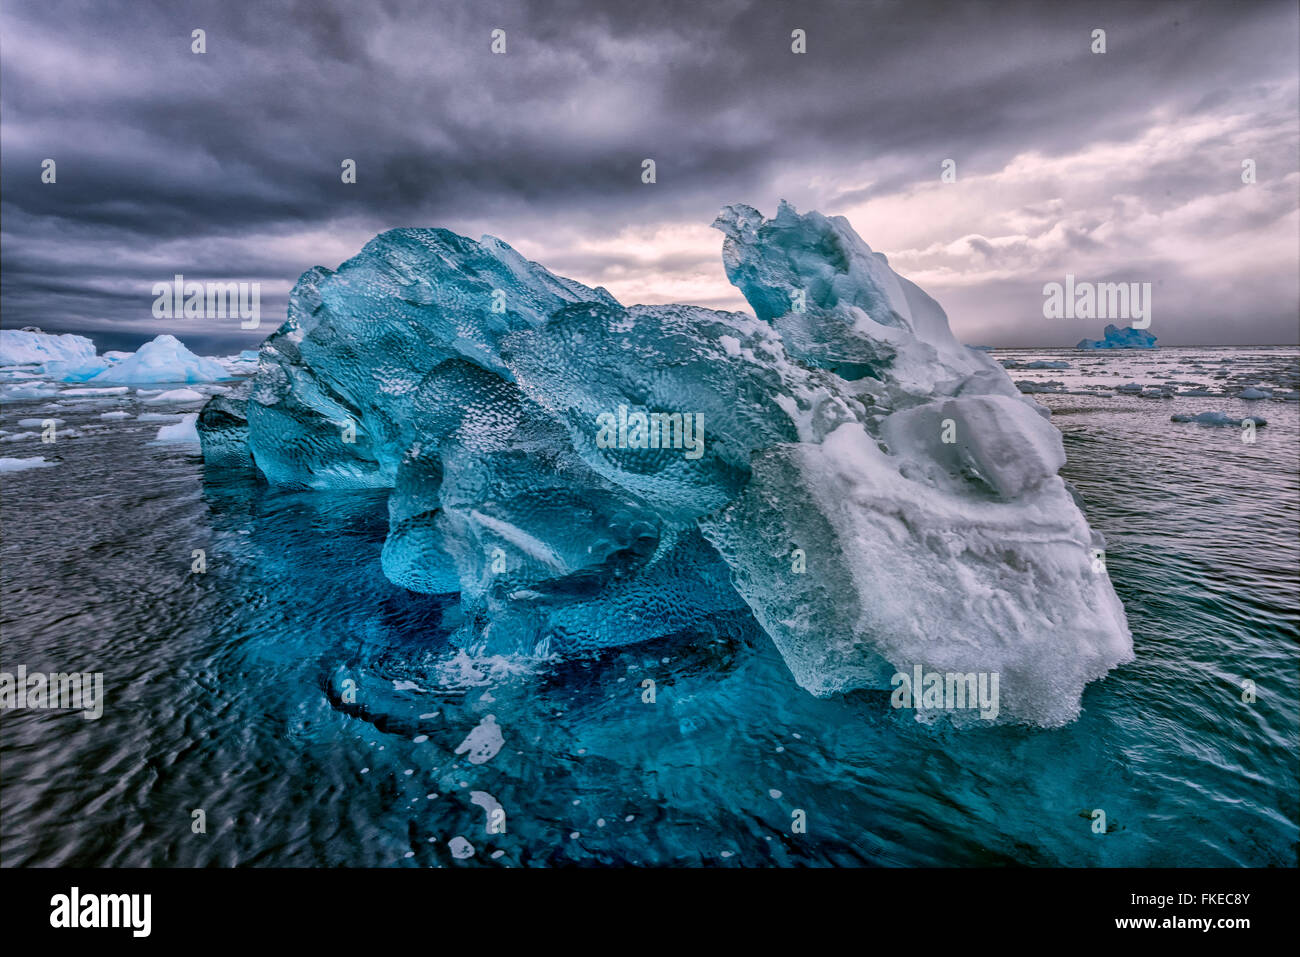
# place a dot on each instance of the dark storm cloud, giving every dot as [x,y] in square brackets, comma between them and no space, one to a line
[226,165]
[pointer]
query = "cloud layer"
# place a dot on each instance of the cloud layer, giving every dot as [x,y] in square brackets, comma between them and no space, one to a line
[1125,165]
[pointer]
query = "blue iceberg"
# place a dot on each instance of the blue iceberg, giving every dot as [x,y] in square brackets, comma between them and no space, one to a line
[1115,338]
[583,474]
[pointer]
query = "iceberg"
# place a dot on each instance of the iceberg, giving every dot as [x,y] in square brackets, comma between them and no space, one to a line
[836,466]
[163,359]
[1114,338]
[65,357]
[25,347]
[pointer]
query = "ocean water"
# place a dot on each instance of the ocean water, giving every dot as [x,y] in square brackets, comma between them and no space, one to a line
[314,711]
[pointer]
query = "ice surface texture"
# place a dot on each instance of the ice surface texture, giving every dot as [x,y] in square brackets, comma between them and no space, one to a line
[1115,338]
[876,495]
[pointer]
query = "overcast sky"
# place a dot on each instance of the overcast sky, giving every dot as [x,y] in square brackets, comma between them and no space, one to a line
[1122,166]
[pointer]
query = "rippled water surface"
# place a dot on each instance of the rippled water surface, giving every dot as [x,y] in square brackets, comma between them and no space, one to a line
[313,710]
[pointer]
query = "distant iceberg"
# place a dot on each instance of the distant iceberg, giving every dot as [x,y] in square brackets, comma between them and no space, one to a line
[1114,338]
[164,359]
[876,495]
[23,347]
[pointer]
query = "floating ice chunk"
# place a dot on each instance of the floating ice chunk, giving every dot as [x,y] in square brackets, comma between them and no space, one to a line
[483,742]
[175,395]
[1252,394]
[35,390]
[119,415]
[38,423]
[182,431]
[1217,418]
[163,359]
[108,390]
[460,848]
[18,465]
[1030,387]
[1036,364]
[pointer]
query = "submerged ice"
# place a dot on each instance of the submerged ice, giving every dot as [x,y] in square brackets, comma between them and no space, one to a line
[875,495]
